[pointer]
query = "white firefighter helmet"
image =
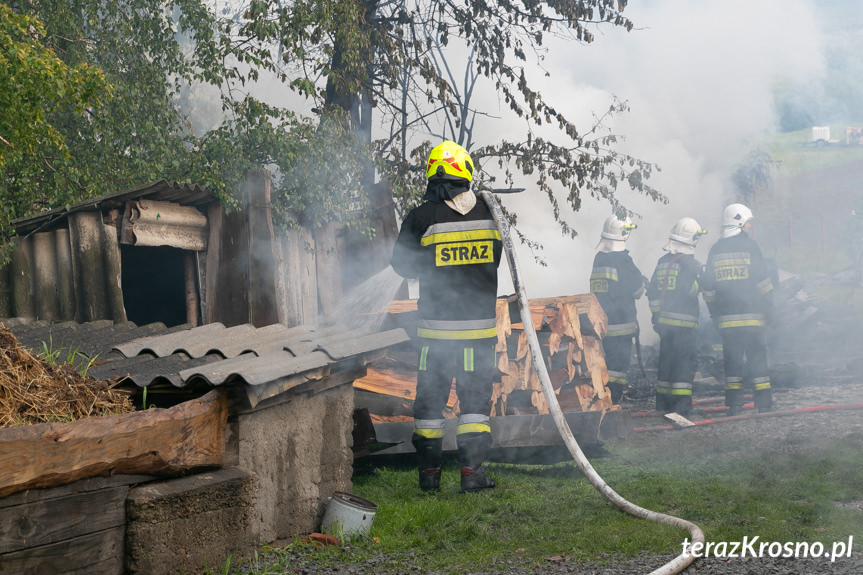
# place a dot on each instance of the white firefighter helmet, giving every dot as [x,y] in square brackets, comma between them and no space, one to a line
[734,218]
[683,237]
[615,232]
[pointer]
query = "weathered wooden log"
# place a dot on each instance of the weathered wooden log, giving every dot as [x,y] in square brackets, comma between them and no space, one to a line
[154,442]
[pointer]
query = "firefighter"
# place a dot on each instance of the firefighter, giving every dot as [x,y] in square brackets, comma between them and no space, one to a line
[737,288]
[617,283]
[452,245]
[673,298]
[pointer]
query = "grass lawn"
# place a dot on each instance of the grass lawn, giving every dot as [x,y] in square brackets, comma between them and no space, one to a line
[540,512]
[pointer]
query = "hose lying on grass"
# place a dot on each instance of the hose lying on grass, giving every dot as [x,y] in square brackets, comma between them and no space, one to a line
[683,560]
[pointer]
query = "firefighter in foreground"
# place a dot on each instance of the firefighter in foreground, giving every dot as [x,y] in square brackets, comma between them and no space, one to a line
[673,298]
[452,245]
[737,289]
[617,283]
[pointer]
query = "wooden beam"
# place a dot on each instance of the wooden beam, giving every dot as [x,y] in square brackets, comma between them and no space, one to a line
[154,441]
[263,306]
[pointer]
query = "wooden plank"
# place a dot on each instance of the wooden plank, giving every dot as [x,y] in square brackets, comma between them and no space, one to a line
[383,404]
[78,487]
[327,266]
[190,278]
[296,277]
[403,306]
[155,441]
[263,307]
[396,382]
[227,266]
[99,553]
[595,361]
[52,520]
[679,420]
[504,325]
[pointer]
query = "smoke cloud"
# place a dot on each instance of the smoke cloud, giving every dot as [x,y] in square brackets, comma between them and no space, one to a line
[699,79]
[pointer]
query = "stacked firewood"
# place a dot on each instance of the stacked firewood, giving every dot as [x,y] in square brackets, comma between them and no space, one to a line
[569,330]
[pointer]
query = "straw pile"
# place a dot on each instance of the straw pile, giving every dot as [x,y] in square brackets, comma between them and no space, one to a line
[32,390]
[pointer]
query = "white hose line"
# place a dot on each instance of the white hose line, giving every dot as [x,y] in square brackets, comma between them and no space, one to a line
[681,561]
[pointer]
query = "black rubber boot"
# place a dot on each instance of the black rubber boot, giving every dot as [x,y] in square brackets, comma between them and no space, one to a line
[683,404]
[616,392]
[475,480]
[430,479]
[472,448]
[734,401]
[428,461]
[763,399]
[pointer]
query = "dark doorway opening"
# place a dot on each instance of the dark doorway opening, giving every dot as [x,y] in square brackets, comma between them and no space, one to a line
[153,282]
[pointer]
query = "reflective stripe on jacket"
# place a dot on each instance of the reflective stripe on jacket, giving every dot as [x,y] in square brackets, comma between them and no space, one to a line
[736,284]
[673,291]
[617,283]
[455,257]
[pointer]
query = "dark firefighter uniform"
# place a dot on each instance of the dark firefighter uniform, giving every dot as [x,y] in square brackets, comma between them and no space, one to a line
[617,283]
[673,299]
[737,289]
[455,257]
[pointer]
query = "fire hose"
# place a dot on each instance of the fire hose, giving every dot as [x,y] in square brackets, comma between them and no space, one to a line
[683,560]
[766,415]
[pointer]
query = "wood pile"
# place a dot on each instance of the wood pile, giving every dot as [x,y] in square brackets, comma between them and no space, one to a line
[569,329]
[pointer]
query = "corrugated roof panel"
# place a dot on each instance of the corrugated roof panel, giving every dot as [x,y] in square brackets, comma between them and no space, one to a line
[256,370]
[162,345]
[170,369]
[267,339]
[266,369]
[201,343]
[275,357]
[103,341]
[156,223]
[183,194]
[364,343]
[219,372]
[299,348]
[94,339]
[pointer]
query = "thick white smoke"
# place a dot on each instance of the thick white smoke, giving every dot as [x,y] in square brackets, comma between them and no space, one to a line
[698,78]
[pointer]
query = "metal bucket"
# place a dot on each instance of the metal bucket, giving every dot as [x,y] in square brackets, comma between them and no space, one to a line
[348,515]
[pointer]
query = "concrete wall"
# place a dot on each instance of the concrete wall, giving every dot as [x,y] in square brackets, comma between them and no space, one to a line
[282,463]
[300,452]
[190,524]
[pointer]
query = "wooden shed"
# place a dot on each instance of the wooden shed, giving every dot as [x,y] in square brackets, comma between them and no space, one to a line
[171,253]
[248,431]
[214,313]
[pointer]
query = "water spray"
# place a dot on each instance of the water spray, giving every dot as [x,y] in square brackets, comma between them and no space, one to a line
[681,561]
